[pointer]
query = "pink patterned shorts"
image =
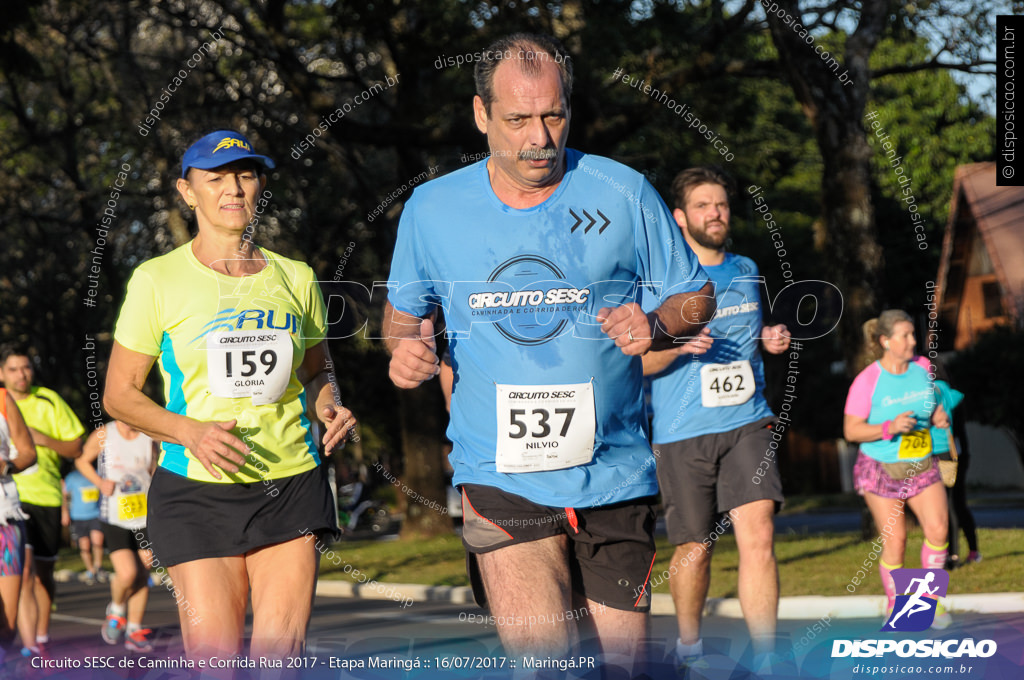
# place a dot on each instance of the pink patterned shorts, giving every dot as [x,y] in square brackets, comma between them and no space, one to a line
[870,477]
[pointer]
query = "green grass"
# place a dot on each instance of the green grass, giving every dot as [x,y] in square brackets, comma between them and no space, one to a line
[68,558]
[796,503]
[808,565]
[825,564]
[437,561]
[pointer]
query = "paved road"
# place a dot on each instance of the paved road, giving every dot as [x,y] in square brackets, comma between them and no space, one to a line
[350,631]
[987,516]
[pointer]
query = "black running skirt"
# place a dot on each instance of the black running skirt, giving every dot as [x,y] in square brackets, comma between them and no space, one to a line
[189,520]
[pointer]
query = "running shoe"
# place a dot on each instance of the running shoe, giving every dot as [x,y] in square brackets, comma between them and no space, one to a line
[775,665]
[89,578]
[973,556]
[942,618]
[138,641]
[23,668]
[694,667]
[706,667]
[37,651]
[113,628]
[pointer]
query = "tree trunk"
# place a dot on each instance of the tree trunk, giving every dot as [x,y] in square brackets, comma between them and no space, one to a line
[422,491]
[849,238]
[847,234]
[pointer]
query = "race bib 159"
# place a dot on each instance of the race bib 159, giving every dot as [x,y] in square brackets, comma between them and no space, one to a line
[253,364]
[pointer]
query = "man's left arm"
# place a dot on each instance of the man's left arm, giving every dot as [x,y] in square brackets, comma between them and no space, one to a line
[67,431]
[682,315]
[69,449]
[662,255]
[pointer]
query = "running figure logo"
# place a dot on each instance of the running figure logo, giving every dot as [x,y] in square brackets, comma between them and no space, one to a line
[915,608]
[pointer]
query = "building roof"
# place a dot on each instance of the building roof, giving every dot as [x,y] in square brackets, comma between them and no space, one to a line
[998,213]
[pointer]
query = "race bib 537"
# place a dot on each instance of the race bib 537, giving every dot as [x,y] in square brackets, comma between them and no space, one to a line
[544,427]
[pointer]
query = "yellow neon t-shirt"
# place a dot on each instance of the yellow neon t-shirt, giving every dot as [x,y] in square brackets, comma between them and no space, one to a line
[45,411]
[228,348]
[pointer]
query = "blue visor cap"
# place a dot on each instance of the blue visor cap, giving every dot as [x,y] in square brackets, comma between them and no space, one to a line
[220,148]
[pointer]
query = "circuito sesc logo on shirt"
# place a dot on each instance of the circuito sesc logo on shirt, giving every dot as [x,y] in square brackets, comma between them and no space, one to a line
[528,300]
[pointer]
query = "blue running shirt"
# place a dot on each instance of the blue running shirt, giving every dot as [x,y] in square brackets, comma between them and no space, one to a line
[85,497]
[711,392]
[878,395]
[520,290]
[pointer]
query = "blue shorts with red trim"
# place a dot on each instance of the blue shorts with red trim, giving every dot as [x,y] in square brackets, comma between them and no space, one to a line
[610,549]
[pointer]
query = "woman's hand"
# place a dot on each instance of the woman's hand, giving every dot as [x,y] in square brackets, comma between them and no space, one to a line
[903,423]
[340,423]
[212,444]
[317,375]
[939,417]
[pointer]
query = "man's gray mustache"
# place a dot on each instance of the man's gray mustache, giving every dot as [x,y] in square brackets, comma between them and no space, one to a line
[538,154]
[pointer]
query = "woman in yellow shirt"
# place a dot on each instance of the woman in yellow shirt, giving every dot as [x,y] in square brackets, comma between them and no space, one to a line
[239,491]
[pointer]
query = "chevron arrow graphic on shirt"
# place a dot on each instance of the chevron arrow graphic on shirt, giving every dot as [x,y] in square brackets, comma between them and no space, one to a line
[590,219]
[578,221]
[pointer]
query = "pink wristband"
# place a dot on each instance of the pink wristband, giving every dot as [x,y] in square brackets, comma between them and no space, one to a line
[886,435]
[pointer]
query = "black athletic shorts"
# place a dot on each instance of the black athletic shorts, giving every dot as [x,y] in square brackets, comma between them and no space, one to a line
[702,477]
[42,530]
[81,528]
[189,520]
[611,547]
[119,538]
